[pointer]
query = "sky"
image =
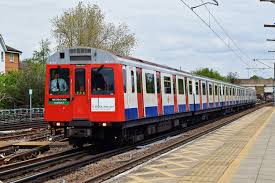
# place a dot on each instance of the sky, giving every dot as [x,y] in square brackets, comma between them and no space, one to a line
[167,32]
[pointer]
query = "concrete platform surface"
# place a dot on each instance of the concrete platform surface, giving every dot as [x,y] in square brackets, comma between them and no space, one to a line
[241,152]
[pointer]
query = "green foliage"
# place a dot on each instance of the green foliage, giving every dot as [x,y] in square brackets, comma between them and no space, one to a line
[41,55]
[255,77]
[231,76]
[16,85]
[84,25]
[209,73]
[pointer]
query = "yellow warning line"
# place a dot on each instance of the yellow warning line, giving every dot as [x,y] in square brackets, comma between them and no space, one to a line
[228,174]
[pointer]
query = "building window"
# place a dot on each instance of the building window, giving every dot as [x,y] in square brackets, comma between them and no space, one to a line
[2,56]
[11,57]
[150,83]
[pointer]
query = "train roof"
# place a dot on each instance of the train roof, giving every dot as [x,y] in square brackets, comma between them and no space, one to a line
[85,55]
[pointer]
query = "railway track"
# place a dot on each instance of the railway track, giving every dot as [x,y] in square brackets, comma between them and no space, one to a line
[32,134]
[38,170]
[5,126]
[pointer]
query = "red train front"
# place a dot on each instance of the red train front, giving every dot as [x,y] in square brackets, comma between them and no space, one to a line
[81,89]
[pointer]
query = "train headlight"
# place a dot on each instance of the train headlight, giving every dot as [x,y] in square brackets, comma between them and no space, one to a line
[104,124]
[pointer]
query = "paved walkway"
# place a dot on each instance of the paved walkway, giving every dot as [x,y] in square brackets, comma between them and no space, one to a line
[243,151]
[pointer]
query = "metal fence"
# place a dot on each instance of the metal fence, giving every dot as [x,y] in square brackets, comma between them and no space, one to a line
[20,114]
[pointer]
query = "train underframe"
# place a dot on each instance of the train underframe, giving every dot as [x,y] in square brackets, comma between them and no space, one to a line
[85,132]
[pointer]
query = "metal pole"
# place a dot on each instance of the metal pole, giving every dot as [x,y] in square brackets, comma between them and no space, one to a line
[30,107]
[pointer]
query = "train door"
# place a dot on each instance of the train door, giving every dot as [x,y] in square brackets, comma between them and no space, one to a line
[197,95]
[191,94]
[203,95]
[186,94]
[181,94]
[175,90]
[140,92]
[167,94]
[210,94]
[80,93]
[159,93]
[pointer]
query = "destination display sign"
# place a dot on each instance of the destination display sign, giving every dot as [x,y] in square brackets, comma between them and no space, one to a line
[59,101]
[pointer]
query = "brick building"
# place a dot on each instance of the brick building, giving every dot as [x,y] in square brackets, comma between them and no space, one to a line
[9,57]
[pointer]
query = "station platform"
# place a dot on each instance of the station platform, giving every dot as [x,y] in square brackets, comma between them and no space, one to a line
[241,152]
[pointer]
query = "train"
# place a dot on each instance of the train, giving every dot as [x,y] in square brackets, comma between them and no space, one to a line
[100,97]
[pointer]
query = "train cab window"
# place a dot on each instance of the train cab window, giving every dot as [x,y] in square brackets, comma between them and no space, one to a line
[150,83]
[125,80]
[102,81]
[59,81]
[210,89]
[133,81]
[190,88]
[216,90]
[167,85]
[197,88]
[181,86]
[203,89]
[80,78]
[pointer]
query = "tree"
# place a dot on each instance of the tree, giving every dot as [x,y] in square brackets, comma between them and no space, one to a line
[209,73]
[232,77]
[41,55]
[255,77]
[85,26]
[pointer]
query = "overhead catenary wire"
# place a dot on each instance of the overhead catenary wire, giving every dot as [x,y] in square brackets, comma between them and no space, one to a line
[228,35]
[219,36]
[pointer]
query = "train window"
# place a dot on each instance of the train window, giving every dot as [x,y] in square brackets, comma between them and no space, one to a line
[167,85]
[125,80]
[158,84]
[197,88]
[102,81]
[190,88]
[133,81]
[224,90]
[138,82]
[216,90]
[150,83]
[80,78]
[220,90]
[230,91]
[203,89]
[181,86]
[59,81]
[210,89]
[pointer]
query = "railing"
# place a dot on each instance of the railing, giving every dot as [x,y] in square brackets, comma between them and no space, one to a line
[20,114]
